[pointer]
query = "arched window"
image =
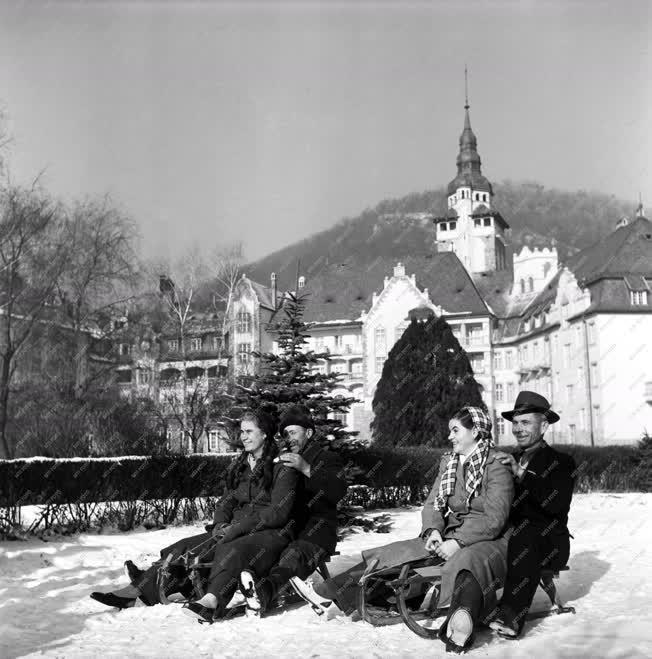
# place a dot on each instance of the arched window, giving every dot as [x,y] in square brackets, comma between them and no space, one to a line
[531,284]
[302,281]
[522,285]
[546,269]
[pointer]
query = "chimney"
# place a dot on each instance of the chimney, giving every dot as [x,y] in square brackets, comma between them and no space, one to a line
[273,278]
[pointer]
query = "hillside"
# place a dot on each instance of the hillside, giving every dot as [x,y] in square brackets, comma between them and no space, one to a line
[535,214]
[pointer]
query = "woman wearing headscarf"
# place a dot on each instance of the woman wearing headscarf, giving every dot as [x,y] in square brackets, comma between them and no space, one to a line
[464,522]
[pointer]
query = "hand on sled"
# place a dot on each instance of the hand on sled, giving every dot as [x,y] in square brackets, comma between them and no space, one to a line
[446,549]
[433,540]
[295,461]
[219,530]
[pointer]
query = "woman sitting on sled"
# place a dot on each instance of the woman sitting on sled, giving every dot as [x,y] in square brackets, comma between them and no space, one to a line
[249,531]
[464,523]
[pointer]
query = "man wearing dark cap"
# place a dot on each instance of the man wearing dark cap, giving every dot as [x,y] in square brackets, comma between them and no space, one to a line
[543,480]
[323,485]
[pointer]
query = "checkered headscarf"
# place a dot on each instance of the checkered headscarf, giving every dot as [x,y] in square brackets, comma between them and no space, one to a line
[477,461]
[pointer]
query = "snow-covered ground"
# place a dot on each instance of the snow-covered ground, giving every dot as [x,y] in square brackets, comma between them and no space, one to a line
[45,609]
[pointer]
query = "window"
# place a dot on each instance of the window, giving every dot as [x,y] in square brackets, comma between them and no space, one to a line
[546,269]
[319,343]
[173,345]
[508,359]
[477,222]
[443,226]
[535,352]
[487,221]
[522,285]
[477,363]
[379,341]
[580,375]
[500,398]
[582,419]
[530,282]
[216,343]
[452,226]
[340,416]
[638,297]
[569,393]
[525,354]
[578,335]
[243,322]
[546,351]
[594,374]
[195,344]
[510,392]
[356,367]
[566,355]
[500,426]
[338,341]
[319,368]
[338,367]
[400,329]
[591,332]
[571,433]
[243,353]
[302,281]
[498,361]
[380,361]
[564,310]
[143,376]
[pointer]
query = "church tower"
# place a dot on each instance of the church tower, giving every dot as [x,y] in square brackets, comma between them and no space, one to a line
[470,228]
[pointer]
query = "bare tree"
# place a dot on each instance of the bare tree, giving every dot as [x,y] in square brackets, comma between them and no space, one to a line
[227,265]
[101,275]
[33,255]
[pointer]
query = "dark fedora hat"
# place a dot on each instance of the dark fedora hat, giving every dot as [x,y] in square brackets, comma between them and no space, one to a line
[530,401]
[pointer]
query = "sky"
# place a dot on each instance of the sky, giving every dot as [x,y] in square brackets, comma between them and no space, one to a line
[214,122]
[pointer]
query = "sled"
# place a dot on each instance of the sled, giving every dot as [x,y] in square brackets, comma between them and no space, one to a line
[417,585]
[197,574]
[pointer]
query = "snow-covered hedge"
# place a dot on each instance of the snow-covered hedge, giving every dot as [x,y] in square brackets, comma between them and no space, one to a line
[50,481]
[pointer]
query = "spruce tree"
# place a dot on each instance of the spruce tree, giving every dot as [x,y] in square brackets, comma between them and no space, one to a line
[426,378]
[290,377]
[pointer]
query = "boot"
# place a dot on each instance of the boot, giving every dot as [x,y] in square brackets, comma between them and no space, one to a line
[109,599]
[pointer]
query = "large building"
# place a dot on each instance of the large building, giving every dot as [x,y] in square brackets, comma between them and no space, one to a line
[577,333]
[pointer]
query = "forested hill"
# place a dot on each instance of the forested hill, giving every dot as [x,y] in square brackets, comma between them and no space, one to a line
[535,214]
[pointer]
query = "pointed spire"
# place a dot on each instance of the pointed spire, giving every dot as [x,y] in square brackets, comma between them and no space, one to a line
[468,162]
[639,208]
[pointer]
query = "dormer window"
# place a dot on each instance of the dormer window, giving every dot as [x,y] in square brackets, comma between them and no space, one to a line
[452,226]
[443,226]
[477,222]
[487,221]
[302,281]
[638,298]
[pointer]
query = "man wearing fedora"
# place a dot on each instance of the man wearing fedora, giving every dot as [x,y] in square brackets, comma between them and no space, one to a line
[543,483]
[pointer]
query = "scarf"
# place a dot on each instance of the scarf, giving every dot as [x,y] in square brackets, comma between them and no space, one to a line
[476,461]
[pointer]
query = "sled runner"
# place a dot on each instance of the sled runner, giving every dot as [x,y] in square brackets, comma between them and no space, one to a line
[416,587]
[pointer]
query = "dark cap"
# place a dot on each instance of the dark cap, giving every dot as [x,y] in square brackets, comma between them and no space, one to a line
[297,415]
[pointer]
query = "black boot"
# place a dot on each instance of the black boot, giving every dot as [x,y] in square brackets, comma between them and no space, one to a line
[457,632]
[133,573]
[109,599]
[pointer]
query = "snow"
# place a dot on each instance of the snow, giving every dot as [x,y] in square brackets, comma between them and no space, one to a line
[45,610]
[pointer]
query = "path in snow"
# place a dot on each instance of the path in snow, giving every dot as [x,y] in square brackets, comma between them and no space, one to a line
[45,609]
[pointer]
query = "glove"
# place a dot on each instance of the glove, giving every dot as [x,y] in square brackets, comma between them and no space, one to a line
[218,530]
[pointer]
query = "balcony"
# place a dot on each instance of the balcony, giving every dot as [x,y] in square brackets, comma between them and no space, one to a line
[474,340]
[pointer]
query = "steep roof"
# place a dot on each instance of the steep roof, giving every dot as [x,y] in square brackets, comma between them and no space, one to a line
[628,250]
[344,292]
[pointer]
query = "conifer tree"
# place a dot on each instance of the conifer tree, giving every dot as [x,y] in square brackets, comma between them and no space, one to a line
[426,378]
[290,377]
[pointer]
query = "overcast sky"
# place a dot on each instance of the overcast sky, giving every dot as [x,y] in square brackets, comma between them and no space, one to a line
[266,122]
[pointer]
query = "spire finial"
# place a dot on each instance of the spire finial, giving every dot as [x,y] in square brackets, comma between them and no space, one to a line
[639,210]
[466,88]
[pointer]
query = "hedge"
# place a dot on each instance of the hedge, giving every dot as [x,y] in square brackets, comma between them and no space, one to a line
[51,481]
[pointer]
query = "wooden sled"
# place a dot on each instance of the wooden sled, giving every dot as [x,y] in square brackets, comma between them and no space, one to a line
[417,586]
[197,573]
